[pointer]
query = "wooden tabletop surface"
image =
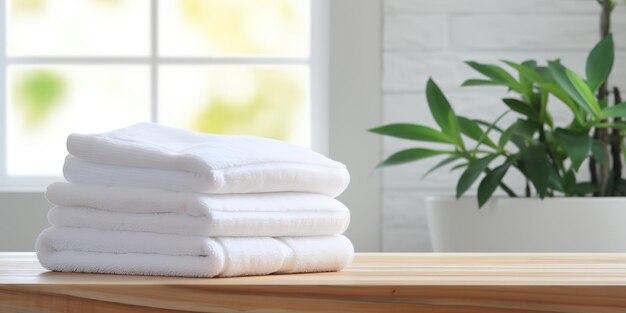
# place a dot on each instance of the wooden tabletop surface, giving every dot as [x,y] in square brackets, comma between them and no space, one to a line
[375,282]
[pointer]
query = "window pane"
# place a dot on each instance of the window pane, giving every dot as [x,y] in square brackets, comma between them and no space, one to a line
[262,101]
[45,104]
[72,28]
[235,27]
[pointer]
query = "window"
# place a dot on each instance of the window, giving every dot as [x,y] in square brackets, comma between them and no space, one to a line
[220,66]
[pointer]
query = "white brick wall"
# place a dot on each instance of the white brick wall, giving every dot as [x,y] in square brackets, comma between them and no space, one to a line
[425,38]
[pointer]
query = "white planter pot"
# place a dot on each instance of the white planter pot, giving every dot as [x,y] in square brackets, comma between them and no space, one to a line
[527,225]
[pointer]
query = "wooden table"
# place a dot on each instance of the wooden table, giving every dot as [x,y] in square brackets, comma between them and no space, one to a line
[376,282]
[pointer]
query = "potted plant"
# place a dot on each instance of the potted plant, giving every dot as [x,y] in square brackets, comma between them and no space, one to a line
[557,210]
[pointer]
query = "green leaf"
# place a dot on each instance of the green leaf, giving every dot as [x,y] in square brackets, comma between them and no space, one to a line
[526,82]
[441,164]
[558,92]
[527,72]
[410,155]
[543,70]
[455,129]
[618,110]
[526,128]
[582,189]
[544,115]
[442,111]
[536,166]
[480,82]
[585,92]
[506,136]
[597,150]
[554,180]
[471,129]
[413,132]
[523,131]
[490,183]
[571,188]
[496,73]
[558,154]
[530,63]
[604,103]
[568,181]
[458,166]
[577,145]
[542,77]
[490,127]
[618,125]
[576,126]
[559,72]
[600,62]
[471,174]
[520,107]
[490,124]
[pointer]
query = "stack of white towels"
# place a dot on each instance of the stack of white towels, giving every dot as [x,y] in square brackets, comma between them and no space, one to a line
[155,200]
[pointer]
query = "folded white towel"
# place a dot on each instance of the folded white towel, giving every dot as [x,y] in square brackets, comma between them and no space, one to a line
[184,213]
[147,200]
[216,223]
[88,250]
[156,156]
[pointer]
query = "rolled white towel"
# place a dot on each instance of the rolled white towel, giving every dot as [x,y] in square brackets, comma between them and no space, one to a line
[140,253]
[156,156]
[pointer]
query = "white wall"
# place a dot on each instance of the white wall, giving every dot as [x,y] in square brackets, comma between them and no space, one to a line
[423,38]
[354,106]
[22,217]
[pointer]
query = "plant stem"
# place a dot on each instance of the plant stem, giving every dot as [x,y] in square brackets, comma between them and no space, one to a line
[508,190]
[603,133]
[593,166]
[605,18]
[616,150]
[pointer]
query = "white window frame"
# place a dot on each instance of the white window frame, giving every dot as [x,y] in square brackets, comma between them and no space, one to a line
[317,62]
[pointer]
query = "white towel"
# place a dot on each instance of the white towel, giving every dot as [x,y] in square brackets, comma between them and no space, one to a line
[217,223]
[140,253]
[147,200]
[156,156]
[184,213]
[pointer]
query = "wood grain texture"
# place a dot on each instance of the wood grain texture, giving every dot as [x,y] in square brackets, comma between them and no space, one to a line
[382,282]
